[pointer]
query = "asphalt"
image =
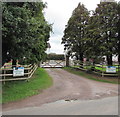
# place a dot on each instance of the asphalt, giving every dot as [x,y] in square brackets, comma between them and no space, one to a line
[105,106]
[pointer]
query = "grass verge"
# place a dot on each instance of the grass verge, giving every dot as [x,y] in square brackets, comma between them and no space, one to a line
[96,67]
[17,90]
[91,76]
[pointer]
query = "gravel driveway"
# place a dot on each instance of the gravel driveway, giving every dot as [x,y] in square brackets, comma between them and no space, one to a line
[66,86]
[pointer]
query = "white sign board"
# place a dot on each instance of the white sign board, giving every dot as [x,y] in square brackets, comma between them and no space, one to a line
[111,69]
[18,71]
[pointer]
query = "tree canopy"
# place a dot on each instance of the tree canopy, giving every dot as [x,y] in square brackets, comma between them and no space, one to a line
[107,14]
[75,32]
[55,57]
[94,35]
[25,32]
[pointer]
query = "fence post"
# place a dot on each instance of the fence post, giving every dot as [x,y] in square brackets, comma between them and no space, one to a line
[28,74]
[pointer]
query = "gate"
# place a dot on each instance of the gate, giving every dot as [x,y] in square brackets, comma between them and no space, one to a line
[53,64]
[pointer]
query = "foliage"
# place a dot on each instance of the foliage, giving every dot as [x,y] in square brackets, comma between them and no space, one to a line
[107,14]
[55,57]
[94,35]
[92,39]
[118,30]
[75,32]
[25,31]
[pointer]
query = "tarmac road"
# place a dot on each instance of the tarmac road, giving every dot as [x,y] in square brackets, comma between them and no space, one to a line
[106,106]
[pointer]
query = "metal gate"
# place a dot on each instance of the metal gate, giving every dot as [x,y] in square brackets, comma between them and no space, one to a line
[53,64]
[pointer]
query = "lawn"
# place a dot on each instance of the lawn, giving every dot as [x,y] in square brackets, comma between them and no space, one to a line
[104,68]
[113,80]
[17,90]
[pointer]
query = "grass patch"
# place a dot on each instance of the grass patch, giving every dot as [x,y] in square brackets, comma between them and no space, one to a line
[17,90]
[104,69]
[91,76]
[100,67]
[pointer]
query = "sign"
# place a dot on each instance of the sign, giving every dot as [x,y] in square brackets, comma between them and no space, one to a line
[18,71]
[110,69]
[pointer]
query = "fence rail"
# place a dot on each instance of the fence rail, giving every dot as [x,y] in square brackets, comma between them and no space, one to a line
[6,76]
[53,64]
[96,68]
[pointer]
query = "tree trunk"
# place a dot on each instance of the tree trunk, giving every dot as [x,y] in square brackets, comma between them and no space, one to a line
[81,60]
[14,63]
[109,60]
[77,58]
[67,61]
[119,59]
[81,57]
[119,52]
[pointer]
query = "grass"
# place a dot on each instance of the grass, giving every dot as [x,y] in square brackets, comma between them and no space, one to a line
[92,77]
[101,69]
[104,69]
[17,90]
[97,67]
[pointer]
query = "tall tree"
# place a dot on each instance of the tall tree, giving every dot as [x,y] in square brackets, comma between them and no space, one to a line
[93,40]
[118,30]
[107,21]
[25,31]
[75,32]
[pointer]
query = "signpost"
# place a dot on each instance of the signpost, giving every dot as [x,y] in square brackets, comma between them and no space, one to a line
[110,69]
[18,71]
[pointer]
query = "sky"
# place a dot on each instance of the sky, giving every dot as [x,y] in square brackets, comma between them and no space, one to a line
[58,13]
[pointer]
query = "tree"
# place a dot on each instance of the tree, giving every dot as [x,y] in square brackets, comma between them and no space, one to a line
[118,30]
[75,32]
[93,39]
[107,20]
[55,57]
[25,31]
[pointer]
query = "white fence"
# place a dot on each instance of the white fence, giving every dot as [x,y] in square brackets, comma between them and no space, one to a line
[53,64]
[6,74]
[96,68]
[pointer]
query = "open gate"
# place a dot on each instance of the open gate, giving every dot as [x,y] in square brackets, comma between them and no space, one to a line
[53,64]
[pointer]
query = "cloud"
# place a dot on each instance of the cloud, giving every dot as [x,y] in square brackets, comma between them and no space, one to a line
[56,46]
[58,13]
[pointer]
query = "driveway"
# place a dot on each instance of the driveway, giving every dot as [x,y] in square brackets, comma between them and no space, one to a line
[66,86]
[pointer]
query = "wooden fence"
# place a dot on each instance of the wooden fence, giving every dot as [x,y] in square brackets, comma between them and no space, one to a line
[96,68]
[53,64]
[6,73]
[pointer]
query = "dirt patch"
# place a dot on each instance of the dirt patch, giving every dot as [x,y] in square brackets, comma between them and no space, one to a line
[66,86]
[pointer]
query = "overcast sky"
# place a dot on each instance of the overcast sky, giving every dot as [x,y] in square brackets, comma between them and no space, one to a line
[58,13]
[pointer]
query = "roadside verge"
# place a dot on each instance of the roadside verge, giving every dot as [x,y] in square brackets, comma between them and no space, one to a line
[78,72]
[17,90]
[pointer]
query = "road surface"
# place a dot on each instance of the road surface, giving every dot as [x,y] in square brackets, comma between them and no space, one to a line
[66,86]
[106,106]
